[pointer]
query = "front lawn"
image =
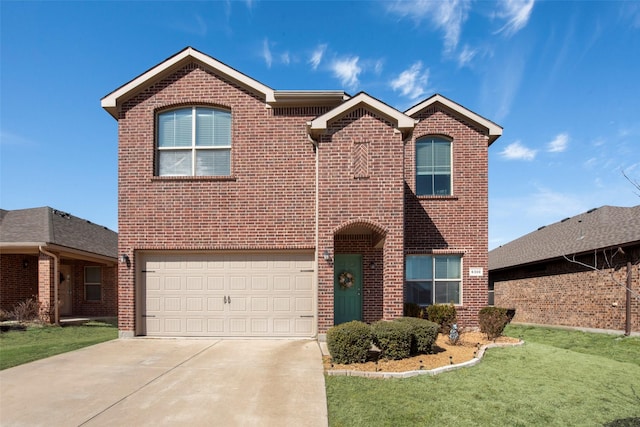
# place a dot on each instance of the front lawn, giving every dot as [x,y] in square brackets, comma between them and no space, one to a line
[557,378]
[18,347]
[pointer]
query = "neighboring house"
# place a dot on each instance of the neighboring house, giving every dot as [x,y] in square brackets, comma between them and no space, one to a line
[573,273]
[247,211]
[45,252]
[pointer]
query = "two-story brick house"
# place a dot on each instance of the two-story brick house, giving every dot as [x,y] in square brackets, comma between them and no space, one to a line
[247,211]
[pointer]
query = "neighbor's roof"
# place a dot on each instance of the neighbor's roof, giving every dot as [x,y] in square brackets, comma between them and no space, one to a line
[47,226]
[604,227]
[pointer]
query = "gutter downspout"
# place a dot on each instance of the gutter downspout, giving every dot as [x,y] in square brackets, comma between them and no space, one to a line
[317,215]
[56,279]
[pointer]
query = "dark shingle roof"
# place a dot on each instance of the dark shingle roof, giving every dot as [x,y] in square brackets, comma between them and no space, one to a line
[50,226]
[605,227]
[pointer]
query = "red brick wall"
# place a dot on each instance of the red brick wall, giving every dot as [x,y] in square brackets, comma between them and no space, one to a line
[108,306]
[17,283]
[377,199]
[268,203]
[46,297]
[459,222]
[564,294]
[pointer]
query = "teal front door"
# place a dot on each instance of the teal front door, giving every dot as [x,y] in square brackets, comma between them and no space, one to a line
[347,296]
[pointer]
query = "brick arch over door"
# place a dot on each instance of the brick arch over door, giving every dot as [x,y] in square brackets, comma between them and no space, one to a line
[378,232]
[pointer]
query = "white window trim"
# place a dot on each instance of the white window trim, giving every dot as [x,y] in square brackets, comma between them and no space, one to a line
[193,147]
[415,176]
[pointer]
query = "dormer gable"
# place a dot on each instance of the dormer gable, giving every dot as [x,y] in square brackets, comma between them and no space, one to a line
[112,101]
[493,130]
[401,121]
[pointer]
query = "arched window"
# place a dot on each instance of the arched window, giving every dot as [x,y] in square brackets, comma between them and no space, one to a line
[433,166]
[194,141]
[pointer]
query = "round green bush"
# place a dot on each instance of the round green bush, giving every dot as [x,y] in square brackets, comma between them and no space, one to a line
[444,315]
[423,334]
[349,342]
[493,320]
[393,339]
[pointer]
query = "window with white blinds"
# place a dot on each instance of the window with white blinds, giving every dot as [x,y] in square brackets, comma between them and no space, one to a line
[194,141]
[433,167]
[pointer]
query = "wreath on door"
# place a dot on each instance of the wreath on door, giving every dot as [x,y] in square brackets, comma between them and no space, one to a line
[346,280]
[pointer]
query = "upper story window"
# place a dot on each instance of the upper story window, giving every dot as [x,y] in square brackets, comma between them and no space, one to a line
[433,167]
[194,141]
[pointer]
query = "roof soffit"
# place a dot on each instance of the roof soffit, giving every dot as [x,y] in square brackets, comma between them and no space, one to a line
[111,101]
[494,130]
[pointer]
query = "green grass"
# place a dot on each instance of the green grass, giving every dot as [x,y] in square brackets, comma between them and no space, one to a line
[18,347]
[615,347]
[544,382]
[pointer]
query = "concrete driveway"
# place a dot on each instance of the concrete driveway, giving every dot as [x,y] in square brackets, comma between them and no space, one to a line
[170,382]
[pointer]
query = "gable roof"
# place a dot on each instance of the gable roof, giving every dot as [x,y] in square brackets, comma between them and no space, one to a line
[173,63]
[46,226]
[494,130]
[402,121]
[601,228]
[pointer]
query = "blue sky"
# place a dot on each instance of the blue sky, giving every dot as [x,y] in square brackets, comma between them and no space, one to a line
[560,77]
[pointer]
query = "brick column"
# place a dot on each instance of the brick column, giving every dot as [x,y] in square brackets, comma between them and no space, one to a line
[46,283]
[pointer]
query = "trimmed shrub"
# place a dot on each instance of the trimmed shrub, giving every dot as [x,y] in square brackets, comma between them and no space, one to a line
[443,315]
[493,321]
[423,334]
[392,338]
[349,342]
[412,309]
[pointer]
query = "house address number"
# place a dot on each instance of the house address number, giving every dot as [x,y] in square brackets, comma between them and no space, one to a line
[476,271]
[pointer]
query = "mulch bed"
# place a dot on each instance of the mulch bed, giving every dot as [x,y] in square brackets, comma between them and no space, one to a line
[444,354]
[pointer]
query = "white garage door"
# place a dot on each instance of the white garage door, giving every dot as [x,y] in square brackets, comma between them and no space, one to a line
[234,295]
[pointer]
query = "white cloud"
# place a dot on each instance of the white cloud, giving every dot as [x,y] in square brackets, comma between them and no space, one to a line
[8,138]
[266,53]
[559,143]
[316,56]
[517,151]
[448,16]
[347,71]
[285,58]
[378,66]
[516,13]
[466,56]
[411,82]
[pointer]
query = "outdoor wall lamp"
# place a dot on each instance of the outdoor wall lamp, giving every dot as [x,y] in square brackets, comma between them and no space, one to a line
[372,265]
[124,259]
[326,255]
[25,263]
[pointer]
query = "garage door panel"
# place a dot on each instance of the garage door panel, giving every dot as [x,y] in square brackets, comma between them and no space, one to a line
[215,304]
[228,295]
[238,283]
[215,283]
[259,304]
[195,283]
[304,283]
[259,283]
[195,325]
[172,283]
